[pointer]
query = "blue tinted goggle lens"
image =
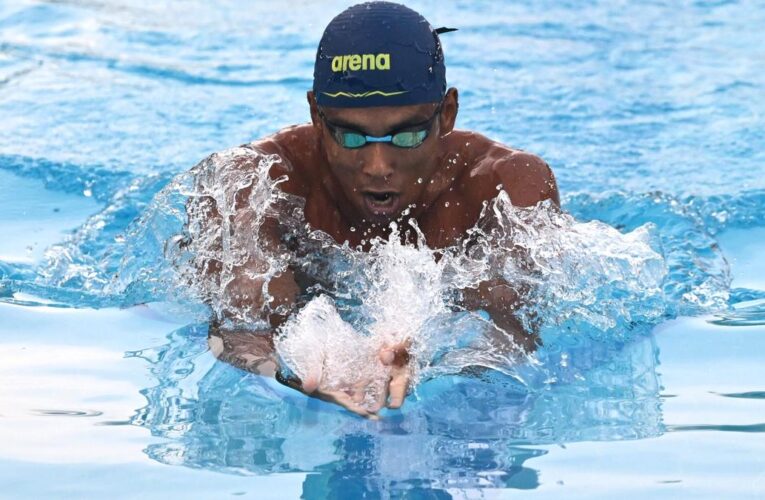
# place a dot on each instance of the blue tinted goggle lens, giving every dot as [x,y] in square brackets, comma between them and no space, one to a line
[352,140]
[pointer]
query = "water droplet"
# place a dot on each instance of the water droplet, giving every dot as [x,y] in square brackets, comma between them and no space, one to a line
[353,229]
[446,204]
[419,181]
[88,193]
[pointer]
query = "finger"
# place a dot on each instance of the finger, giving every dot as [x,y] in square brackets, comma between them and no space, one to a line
[397,355]
[358,392]
[387,356]
[310,384]
[312,381]
[382,396]
[397,387]
[342,399]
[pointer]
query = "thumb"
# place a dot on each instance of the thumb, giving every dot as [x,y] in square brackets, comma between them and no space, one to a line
[312,381]
[387,356]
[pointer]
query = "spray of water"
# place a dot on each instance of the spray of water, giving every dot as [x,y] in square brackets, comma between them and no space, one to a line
[573,279]
[208,238]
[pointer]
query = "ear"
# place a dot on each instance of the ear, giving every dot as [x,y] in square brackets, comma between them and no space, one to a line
[314,109]
[449,110]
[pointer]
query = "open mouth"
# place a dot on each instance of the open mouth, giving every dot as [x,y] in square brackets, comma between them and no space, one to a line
[381,202]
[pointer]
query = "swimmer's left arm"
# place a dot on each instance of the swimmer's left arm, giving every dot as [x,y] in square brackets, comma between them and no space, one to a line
[528,180]
[500,301]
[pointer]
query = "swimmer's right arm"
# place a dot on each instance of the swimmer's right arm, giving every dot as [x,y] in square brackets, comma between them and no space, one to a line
[239,292]
[242,295]
[248,350]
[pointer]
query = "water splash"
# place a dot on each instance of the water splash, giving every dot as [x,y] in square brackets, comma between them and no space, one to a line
[699,275]
[579,283]
[576,279]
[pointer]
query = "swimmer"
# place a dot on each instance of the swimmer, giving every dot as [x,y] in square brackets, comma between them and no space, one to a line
[382,140]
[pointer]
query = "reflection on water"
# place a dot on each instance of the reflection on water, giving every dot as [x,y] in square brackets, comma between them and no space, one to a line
[718,428]
[455,432]
[750,313]
[746,395]
[67,413]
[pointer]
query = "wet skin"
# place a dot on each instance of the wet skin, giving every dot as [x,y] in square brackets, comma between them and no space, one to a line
[353,195]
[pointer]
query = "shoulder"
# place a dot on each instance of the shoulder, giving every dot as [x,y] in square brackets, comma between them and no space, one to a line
[526,177]
[281,154]
[288,143]
[295,147]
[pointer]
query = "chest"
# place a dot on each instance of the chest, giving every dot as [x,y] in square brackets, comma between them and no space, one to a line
[444,222]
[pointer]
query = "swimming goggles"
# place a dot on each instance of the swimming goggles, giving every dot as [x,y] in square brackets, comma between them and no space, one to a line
[353,139]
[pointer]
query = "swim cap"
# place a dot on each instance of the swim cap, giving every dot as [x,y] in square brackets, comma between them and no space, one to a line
[379,54]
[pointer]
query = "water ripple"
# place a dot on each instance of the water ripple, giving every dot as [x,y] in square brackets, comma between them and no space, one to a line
[145,69]
[67,413]
[742,314]
[743,395]
[756,428]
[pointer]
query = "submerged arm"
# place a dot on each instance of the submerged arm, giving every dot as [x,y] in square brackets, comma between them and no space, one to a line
[501,301]
[248,350]
[231,247]
[528,180]
[241,293]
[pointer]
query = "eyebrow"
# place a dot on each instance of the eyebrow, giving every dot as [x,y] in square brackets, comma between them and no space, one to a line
[403,125]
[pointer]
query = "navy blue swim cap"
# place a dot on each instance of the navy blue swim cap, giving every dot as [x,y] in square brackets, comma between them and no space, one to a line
[379,54]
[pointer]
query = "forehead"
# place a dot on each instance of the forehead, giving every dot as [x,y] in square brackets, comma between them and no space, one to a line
[380,117]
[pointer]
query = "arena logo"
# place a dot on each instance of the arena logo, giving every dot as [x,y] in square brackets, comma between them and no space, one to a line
[357,62]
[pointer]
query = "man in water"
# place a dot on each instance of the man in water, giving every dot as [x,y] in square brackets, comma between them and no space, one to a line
[381,141]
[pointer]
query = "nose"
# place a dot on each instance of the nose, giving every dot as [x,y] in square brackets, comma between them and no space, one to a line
[377,161]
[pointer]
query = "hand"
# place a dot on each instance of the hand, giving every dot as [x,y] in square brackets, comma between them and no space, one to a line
[363,397]
[351,398]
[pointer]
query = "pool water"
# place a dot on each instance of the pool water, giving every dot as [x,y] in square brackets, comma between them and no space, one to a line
[649,113]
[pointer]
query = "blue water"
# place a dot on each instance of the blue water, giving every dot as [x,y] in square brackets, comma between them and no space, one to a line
[648,113]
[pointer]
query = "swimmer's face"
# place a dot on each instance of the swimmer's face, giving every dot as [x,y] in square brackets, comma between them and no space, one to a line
[380,180]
